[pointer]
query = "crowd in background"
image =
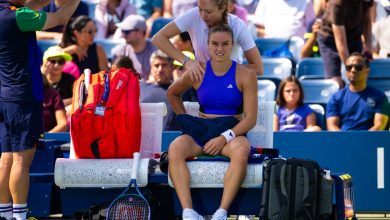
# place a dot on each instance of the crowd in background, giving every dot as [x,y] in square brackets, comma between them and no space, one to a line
[329,29]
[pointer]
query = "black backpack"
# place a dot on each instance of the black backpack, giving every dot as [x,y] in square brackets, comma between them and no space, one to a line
[295,189]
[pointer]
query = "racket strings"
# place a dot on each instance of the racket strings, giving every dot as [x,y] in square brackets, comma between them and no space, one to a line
[132,207]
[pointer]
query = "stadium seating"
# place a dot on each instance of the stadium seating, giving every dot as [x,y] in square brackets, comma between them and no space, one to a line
[265,90]
[267,44]
[320,115]
[382,84]
[380,68]
[91,8]
[277,67]
[319,91]
[310,68]
[44,44]
[158,24]
[108,45]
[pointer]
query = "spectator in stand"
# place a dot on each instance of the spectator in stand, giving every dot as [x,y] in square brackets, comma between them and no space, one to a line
[78,40]
[54,60]
[155,89]
[21,96]
[175,8]
[237,10]
[296,17]
[344,25]
[178,71]
[292,114]
[183,42]
[54,116]
[53,6]
[381,32]
[122,62]
[310,48]
[197,22]
[357,106]
[150,10]
[138,48]
[108,13]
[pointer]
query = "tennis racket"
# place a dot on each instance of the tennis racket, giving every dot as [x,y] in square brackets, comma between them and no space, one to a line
[132,206]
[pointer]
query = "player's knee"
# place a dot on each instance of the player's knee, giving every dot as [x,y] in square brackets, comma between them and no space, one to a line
[177,149]
[241,148]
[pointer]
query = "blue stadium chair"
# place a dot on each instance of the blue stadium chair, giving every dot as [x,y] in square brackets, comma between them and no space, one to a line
[277,67]
[320,115]
[379,68]
[318,91]
[265,90]
[382,84]
[44,44]
[274,80]
[108,45]
[311,68]
[91,8]
[267,44]
[158,24]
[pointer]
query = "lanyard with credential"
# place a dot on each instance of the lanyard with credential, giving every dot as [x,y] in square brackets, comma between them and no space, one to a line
[101,107]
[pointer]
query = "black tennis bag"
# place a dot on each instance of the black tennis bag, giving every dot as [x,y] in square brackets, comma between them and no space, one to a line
[295,189]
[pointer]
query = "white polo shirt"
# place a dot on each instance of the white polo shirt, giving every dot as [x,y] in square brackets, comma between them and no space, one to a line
[198,30]
[284,18]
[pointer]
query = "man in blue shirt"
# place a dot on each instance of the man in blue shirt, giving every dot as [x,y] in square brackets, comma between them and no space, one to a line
[21,95]
[357,106]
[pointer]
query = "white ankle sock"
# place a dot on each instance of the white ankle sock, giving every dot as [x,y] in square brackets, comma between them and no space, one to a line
[220,214]
[6,210]
[20,211]
[190,214]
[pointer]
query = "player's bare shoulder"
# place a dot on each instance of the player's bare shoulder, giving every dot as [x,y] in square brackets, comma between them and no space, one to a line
[245,73]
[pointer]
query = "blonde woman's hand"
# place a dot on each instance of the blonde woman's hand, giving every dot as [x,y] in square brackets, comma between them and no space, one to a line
[195,69]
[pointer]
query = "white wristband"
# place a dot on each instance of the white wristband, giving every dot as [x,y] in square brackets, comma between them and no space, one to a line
[229,135]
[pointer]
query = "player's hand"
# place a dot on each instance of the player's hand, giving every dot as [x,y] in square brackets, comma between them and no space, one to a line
[215,145]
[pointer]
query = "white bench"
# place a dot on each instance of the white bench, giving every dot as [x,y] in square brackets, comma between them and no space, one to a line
[107,173]
[210,174]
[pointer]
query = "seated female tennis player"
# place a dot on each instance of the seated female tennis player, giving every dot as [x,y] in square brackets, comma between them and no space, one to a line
[228,109]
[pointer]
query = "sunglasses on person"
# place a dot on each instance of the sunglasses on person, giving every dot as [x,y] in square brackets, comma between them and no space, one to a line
[58,61]
[358,67]
[126,32]
[90,32]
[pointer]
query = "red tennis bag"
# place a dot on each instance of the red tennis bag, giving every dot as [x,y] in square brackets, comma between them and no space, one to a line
[106,120]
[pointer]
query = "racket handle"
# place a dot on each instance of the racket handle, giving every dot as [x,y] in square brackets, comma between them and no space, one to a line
[134,167]
[87,79]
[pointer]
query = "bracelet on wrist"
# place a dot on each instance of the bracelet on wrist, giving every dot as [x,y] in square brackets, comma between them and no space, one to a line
[229,135]
[185,60]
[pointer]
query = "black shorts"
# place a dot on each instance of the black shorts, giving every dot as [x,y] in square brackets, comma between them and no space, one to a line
[203,129]
[20,125]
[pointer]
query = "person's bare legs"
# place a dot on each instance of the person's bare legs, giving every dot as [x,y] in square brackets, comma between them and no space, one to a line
[180,149]
[5,170]
[237,150]
[20,179]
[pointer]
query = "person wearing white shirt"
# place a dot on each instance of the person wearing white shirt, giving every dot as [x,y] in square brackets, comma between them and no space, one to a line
[296,17]
[197,22]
